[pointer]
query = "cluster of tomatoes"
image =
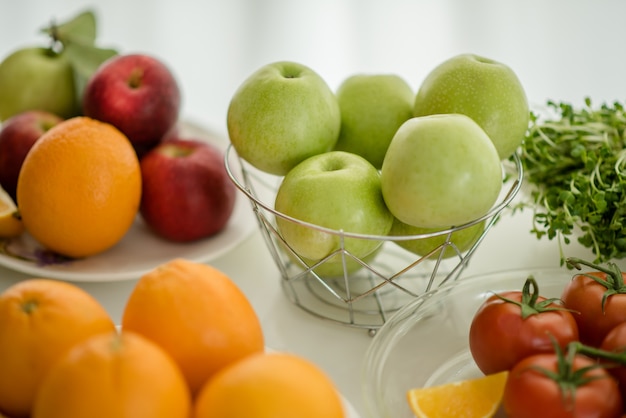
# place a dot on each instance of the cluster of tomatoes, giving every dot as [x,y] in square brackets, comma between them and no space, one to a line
[566,356]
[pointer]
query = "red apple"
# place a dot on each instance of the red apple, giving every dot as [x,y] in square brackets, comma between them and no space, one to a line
[19,133]
[187,194]
[137,94]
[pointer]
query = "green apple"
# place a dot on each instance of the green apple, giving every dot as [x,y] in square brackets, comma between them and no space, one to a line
[485,90]
[462,239]
[338,191]
[440,171]
[282,114]
[52,78]
[36,78]
[373,106]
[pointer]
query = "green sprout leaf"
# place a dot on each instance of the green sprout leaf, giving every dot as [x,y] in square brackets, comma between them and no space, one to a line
[576,164]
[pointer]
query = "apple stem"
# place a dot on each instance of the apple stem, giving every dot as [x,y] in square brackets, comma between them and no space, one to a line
[134,81]
[56,45]
[176,151]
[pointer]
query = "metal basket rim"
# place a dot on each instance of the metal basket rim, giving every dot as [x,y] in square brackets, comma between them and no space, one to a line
[495,209]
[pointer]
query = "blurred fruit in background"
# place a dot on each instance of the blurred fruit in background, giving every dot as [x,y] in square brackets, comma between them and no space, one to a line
[41,319]
[187,194]
[10,220]
[51,77]
[114,375]
[272,384]
[137,94]
[17,136]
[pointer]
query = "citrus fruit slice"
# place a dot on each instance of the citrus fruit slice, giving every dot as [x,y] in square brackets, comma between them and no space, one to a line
[472,398]
[10,222]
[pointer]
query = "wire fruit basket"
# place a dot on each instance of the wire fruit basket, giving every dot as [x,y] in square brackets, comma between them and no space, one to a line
[361,292]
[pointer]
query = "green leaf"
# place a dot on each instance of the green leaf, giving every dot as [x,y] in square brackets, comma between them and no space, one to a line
[575,162]
[85,60]
[79,29]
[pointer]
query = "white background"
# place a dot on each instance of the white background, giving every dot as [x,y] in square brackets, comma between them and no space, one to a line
[560,49]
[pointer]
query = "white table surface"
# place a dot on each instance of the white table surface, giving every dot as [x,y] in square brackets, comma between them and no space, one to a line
[337,348]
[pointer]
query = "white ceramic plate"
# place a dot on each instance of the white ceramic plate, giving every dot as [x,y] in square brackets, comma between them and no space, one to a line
[139,251]
[350,411]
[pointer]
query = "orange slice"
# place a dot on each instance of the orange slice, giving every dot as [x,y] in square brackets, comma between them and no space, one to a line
[472,398]
[10,222]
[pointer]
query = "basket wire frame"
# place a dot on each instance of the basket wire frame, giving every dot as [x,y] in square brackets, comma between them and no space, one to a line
[364,298]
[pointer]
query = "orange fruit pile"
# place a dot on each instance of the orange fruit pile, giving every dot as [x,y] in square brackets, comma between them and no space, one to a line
[197,314]
[114,375]
[477,398]
[263,386]
[40,320]
[79,187]
[190,346]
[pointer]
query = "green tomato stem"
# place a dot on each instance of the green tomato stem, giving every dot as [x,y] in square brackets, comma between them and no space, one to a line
[568,379]
[598,353]
[529,305]
[614,282]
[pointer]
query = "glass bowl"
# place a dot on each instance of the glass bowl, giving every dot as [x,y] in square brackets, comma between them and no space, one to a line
[360,291]
[426,342]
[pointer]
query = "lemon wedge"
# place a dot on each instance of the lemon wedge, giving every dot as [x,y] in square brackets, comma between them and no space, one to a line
[10,222]
[479,398]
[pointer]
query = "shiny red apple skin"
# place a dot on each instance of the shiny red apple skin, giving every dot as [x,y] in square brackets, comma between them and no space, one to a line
[187,194]
[17,136]
[136,93]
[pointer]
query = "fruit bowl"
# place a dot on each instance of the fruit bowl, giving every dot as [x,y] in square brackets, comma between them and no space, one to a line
[426,342]
[360,292]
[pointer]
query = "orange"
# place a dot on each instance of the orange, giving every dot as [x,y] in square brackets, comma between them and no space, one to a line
[472,398]
[197,314]
[10,221]
[39,320]
[114,375]
[270,385]
[79,187]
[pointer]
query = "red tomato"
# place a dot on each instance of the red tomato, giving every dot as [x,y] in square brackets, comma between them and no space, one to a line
[531,393]
[615,342]
[599,303]
[501,334]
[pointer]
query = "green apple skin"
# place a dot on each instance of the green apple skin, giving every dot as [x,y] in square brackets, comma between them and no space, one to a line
[335,190]
[485,90]
[463,239]
[37,79]
[440,171]
[373,106]
[282,114]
